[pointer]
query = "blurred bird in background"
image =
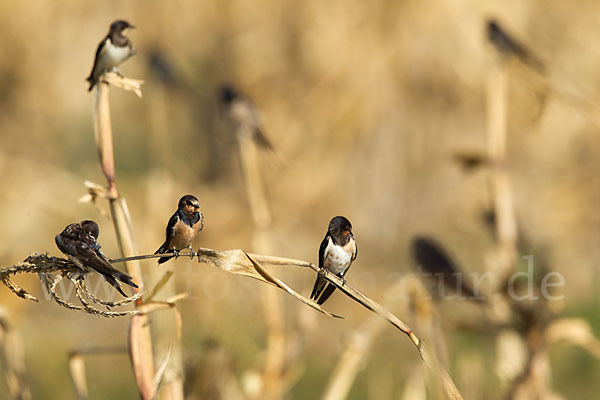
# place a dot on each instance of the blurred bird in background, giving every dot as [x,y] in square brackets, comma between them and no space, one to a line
[78,242]
[336,253]
[435,262]
[113,50]
[507,45]
[242,112]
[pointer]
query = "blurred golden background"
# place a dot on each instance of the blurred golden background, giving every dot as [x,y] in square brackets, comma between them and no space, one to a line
[367,104]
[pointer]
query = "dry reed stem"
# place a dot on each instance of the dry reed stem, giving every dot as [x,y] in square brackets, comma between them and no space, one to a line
[354,356]
[77,366]
[12,360]
[272,307]
[506,225]
[140,340]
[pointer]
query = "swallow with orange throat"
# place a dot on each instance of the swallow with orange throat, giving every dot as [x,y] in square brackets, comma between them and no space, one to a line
[182,229]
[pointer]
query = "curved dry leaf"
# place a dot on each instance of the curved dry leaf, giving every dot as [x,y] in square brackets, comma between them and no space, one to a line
[576,331]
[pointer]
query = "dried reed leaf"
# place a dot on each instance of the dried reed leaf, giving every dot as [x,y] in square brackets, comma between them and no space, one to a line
[95,192]
[159,285]
[275,281]
[575,331]
[160,373]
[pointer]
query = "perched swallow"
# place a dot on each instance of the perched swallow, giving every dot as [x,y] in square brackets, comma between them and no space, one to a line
[434,260]
[78,242]
[337,252]
[510,46]
[243,113]
[113,50]
[183,227]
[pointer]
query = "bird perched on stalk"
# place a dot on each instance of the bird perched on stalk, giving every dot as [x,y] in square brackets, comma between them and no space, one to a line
[242,112]
[336,254]
[182,229]
[112,51]
[78,242]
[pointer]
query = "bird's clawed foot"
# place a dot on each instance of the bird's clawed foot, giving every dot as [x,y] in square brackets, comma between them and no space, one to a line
[192,253]
[176,253]
[116,71]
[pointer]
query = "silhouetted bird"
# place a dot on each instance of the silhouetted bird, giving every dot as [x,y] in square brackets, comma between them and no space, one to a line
[336,253]
[114,49]
[162,68]
[509,46]
[78,242]
[433,259]
[182,229]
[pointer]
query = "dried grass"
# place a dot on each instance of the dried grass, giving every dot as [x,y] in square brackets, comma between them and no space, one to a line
[12,360]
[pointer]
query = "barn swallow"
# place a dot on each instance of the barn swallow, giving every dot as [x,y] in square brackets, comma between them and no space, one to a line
[113,50]
[336,253]
[242,112]
[183,227]
[434,260]
[78,242]
[508,45]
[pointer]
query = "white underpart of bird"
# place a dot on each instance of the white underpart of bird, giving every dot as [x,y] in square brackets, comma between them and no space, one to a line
[337,259]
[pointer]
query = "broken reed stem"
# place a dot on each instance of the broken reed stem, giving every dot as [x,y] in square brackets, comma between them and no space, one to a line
[272,306]
[140,340]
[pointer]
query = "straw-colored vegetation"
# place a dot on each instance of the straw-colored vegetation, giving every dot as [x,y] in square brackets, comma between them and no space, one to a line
[401,116]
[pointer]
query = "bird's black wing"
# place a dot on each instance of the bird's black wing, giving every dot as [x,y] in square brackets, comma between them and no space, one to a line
[90,78]
[329,289]
[87,252]
[320,282]
[164,248]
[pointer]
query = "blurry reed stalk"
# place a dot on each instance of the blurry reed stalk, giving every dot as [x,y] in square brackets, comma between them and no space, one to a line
[506,226]
[275,353]
[77,366]
[435,367]
[12,360]
[140,340]
[357,352]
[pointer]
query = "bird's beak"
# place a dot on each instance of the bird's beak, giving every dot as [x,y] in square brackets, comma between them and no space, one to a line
[131,27]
